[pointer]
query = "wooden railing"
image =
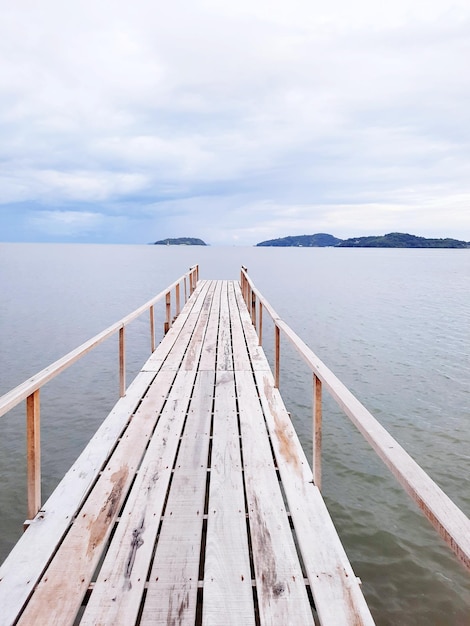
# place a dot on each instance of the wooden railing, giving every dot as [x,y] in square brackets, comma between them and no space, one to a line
[30,389]
[450,522]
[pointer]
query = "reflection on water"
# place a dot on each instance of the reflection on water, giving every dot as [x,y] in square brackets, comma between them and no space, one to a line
[392,324]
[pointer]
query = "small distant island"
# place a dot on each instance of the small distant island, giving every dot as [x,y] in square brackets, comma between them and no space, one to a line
[181,241]
[391,240]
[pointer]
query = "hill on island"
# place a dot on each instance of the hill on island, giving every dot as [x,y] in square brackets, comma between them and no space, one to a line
[181,241]
[402,240]
[319,240]
[391,240]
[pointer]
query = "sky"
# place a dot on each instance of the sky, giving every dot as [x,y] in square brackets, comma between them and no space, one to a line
[235,122]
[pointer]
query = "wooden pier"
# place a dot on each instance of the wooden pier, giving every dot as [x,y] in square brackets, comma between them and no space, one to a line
[193,503]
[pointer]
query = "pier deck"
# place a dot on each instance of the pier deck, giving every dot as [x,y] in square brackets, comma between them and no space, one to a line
[192,504]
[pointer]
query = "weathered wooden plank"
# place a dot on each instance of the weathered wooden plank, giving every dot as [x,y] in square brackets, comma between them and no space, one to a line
[224,341]
[241,359]
[209,349]
[336,590]
[282,595]
[118,590]
[172,587]
[193,353]
[257,356]
[63,585]
[227,592]
[26,562]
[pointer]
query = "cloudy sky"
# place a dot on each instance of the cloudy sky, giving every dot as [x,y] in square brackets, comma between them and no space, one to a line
[235,122]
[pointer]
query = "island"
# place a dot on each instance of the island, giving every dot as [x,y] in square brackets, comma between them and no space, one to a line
[391,240]
[402,240]
[181,241]
[319,240]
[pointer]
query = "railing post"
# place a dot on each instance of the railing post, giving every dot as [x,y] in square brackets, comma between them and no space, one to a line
[178,300]
[253,308]
[152,329]
[191,281]
[277,355]
[33,452]
[167,324]
[244,284]
[122,362]
[260,324]
[185,290]
[317,430]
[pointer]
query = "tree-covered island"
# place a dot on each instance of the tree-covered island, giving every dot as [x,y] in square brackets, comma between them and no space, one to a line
[320,240]
[391,240]
[181,241]
[402,240]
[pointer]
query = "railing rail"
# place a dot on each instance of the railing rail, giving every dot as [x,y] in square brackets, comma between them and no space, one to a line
[450,522]
[29,390]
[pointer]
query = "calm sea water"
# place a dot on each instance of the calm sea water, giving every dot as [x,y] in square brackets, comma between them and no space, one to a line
[394,325]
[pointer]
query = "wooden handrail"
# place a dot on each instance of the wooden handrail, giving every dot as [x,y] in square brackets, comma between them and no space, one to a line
[22,391]
[450,522]
[29,389]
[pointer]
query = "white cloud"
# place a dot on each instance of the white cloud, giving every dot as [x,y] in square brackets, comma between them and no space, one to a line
[347,109]
[88,185]
[66,223]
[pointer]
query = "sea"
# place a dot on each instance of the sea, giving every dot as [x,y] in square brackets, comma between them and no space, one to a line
[392,324]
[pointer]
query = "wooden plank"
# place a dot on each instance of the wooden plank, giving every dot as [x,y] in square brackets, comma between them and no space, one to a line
[172,587]
[224,341]
[227,577]
[241,358]
[257,356]
[27,560]
[209,349]
[336,590]
[118,591]
[282,595]
[193,353]
[63,585]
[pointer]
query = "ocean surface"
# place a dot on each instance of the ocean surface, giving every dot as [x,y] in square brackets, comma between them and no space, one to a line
[393,325]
